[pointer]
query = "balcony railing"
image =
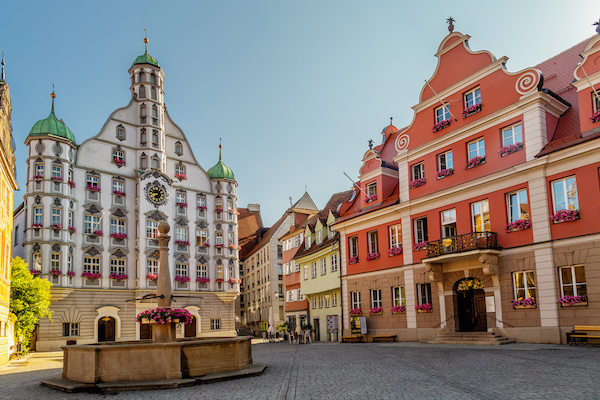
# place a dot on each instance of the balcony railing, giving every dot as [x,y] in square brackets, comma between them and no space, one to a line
[461,243]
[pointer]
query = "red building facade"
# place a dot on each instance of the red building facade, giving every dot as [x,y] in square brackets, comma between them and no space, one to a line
[482,213]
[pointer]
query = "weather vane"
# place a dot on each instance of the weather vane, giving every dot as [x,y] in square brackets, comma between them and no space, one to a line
[370,143]
[597,26]
[450,24]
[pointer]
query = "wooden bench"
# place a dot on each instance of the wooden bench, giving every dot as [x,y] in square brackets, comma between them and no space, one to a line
[352,339]
[579,334]
[383,338]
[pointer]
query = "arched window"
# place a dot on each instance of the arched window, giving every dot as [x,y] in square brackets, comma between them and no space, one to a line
[120,132]
[142,91]
[154,115]
[143,114]
[143,137]
[153,78]
[178,148]
[153,93]
[143,161]
[155,162]
[141,76]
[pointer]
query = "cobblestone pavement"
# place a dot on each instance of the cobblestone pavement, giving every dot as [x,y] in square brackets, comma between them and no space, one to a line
[365,371]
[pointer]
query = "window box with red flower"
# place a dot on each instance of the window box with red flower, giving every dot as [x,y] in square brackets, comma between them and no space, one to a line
[36,225]
[595,117]
[372,256]
[233,281]
[219,246]
[182,205]
[417,182]
[202,280]
[218,210]
[119,161]
[442,173]
[93,188]
[356,311]
[475,108]
[71,229]
[371,198]
[182,278]
[524,303]
[119,236]
[35,272]
[395,251]
[71,274]
[424,308]
[119,193]
[419,246]
[56,227]
[181,177]
[57,179]
[376,310]
[96,233]
[92,275]
[182,242]
[475,161]
[567,301]
[353,260]
[219,280]
[55,272]
[511,148]
[202,208]
[518,225]
[398,309]
[441,125]
[38,177]
[165,316]
[71,183]
[118,277]
[152,277]
[565,216]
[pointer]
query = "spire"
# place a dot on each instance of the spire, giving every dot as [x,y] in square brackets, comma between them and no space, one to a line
[2,73]
[220,149]
[53,96]
[146,40]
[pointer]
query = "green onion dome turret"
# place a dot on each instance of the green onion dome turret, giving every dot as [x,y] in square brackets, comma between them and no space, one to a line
[52,126]
[146,58]
[220,170]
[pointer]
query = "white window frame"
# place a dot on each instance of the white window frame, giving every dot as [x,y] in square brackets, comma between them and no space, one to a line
[56,171]
[151,229]
[91,264]
[475,97]
[371,189]
[313,268]
[423,293]
[355,300]
[376,300]
[324,266]
[118,185]
[398,296]
[478,212]
[395,235]
[578,288]
[421,231]
[181,233]
[91,223]
[334,301]
[515,201]
[56,216]
[38,215]
[373,241]
[445,160]
[118,265]
[152,266]
[319,237]
[117,225]
[441,113]
[418,171]
[306,272]
[55,261]
[476,148]
[512,134]
[334,262]
[527,287]
[571,202]
[447,219]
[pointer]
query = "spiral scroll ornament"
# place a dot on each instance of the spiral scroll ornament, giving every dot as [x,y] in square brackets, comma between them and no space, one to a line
[527,82]
[402,142]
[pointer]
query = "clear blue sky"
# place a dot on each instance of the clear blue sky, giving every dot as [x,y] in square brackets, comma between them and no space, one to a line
[294,88]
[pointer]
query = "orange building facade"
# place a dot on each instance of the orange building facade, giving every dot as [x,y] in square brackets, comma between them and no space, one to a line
[482,214]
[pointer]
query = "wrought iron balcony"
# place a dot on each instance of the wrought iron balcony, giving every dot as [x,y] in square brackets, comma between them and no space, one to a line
[461,243]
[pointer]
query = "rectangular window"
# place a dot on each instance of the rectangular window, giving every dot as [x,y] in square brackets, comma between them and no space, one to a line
[334,262]
[395,236]
[323,266]
[215,324]
[481,216]
[376,298]
[180,198]
[424,293]
[398,298]
[152,266]
[118,265]
[326,301]
[151,229]
[118,155]
[320,301]
[372,189]
[319,237]
[181,269]
[445,161]
[418,171]
[442,113]
[353,246]
[305,272]
[448,223]
[564,194]
[355,299]
[596,102]
[70,329]
[91,264]
[524,284]
[38,215]
[314,269]
[512,135]
[421,230]
[91,223]
[118,186]
[117,225]
[572,281]
[39,170]
[473,97]
[279,272]
[219,272]
[518,207]
[202,271]
[181,233]
[55,261]
[334,299]
[201,237]
[314,301]
[219,238]
[56,171]
[476,148]
[373,242]
[92,181]
[307,242]
[56,216]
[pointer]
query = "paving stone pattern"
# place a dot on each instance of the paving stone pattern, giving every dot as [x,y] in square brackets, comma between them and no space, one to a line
[365,371]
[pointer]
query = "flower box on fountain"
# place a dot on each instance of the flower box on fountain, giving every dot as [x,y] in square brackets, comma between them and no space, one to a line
[164,316]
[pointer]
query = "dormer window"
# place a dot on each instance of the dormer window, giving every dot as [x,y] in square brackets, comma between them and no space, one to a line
[154,115]
[319,237]
[178,148]
[143,114]
[121,132]
[372,189]
[307,242]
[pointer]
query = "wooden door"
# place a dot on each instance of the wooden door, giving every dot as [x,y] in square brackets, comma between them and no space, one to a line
[480,317]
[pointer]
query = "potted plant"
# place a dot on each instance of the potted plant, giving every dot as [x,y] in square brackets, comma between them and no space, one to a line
[398,309]
[71,183]
[356,311]
[57,179]
[71,229]
[565,216]
[152,277]
[91,275]
[202,208]
[70,274]
[376,310]
[424,308]
[528,302]
[56,272]
[119,193]
[118,277]
[92,188]
[165,316]
[36,225]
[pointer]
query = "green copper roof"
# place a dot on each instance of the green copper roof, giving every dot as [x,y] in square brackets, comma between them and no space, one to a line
[220,170]
[146,59]
[52,126]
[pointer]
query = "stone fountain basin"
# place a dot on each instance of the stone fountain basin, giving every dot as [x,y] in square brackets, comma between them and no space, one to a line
[151,361]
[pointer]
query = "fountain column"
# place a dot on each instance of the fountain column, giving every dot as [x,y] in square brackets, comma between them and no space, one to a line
[164,290]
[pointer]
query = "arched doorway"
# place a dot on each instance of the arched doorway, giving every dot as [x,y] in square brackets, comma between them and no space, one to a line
[106,329]
[190,329]
[470,299]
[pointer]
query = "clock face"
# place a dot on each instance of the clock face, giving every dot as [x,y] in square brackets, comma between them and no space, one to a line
[156,194]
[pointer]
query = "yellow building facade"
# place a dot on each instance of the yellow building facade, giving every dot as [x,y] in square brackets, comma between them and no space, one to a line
[8,184]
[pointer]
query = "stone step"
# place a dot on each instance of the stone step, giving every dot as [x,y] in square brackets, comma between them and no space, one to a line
[481,338]
[487,343]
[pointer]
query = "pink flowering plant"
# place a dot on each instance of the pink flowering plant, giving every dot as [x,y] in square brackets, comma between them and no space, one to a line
[206,244]
[441,125]
[427,307]
[57,179]
[395,251]
[511,148]
[118,277]
[370,198]
[233,281]
[119,161]
[71,229]
[417,182]
[97,232]
[36,225]
[152,277]
[56,227]
[234,247]
[471,110]
[219,280]
[353,260]
[182,278]
[419,246]
[573,299]
[376,310]
[38,177]
[119,193]
[518,225]
[181,177]
[93,188]
[398,309]
[442,173]
[528,302]
[164,316]
[71,183]
[475,161]
[56,272]
[182,205]
[202,208]
[356,311]
[92,275]
[35,272]
[182,242]
[565,216]
[219,245]
[120,236]
[595,117]
[202,280]
[372,256]
[71,274]
[218,210]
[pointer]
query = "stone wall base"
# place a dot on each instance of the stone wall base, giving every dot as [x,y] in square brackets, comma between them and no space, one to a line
[549,335]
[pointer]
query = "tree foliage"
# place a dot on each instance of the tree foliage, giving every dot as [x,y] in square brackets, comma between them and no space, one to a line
[29,299]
